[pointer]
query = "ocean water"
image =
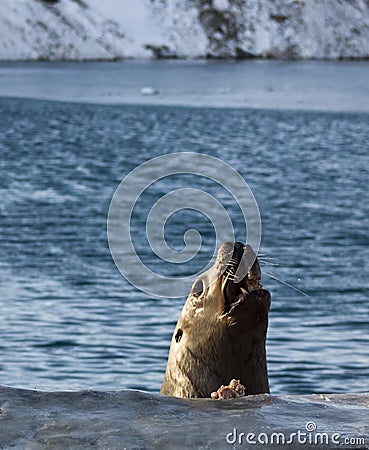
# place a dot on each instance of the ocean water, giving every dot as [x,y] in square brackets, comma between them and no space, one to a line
[133,419]
[69,320]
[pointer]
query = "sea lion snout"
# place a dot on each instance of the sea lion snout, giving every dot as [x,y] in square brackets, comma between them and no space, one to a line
[221,332]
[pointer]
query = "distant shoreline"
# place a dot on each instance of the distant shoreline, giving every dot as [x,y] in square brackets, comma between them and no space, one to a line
[185,58]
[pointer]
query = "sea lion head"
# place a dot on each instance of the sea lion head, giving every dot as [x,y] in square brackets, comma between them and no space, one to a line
[221,331]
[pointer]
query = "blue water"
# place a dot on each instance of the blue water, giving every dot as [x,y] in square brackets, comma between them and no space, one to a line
[68,318]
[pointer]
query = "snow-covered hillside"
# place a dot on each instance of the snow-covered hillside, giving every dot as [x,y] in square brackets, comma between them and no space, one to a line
[110,29]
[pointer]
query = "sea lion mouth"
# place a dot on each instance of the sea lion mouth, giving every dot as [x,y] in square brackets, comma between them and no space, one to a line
[241,294]
[238,290]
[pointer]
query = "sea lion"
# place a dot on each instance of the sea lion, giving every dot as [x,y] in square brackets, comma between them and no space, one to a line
[221,332]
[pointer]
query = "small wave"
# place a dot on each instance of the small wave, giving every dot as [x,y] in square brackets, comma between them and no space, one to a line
[57,344]
[51,196]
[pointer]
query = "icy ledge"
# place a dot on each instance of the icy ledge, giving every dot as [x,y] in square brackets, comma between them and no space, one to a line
[134,419]
[115,29]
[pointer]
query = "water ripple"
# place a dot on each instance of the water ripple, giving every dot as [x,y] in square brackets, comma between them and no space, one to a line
[69,320]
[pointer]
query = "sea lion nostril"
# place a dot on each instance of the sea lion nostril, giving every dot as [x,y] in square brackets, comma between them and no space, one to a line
[239,246]
[178,335]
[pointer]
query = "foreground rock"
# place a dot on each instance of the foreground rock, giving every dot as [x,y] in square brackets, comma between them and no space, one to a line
[133,419]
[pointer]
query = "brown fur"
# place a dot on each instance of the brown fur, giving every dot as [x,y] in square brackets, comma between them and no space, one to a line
[215,341]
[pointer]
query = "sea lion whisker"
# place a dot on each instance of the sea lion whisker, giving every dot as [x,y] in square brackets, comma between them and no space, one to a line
[233,260]
[287,284]
[267,263]
[229,276]
[265,257]
[226,276]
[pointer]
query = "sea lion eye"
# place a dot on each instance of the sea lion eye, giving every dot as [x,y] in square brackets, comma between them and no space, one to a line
[178,335]
[198,288]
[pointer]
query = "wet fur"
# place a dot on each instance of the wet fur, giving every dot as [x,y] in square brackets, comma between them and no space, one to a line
[210,347]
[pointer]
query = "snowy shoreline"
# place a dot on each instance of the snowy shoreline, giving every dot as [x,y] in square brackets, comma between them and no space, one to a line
[74,30]
[182,58]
